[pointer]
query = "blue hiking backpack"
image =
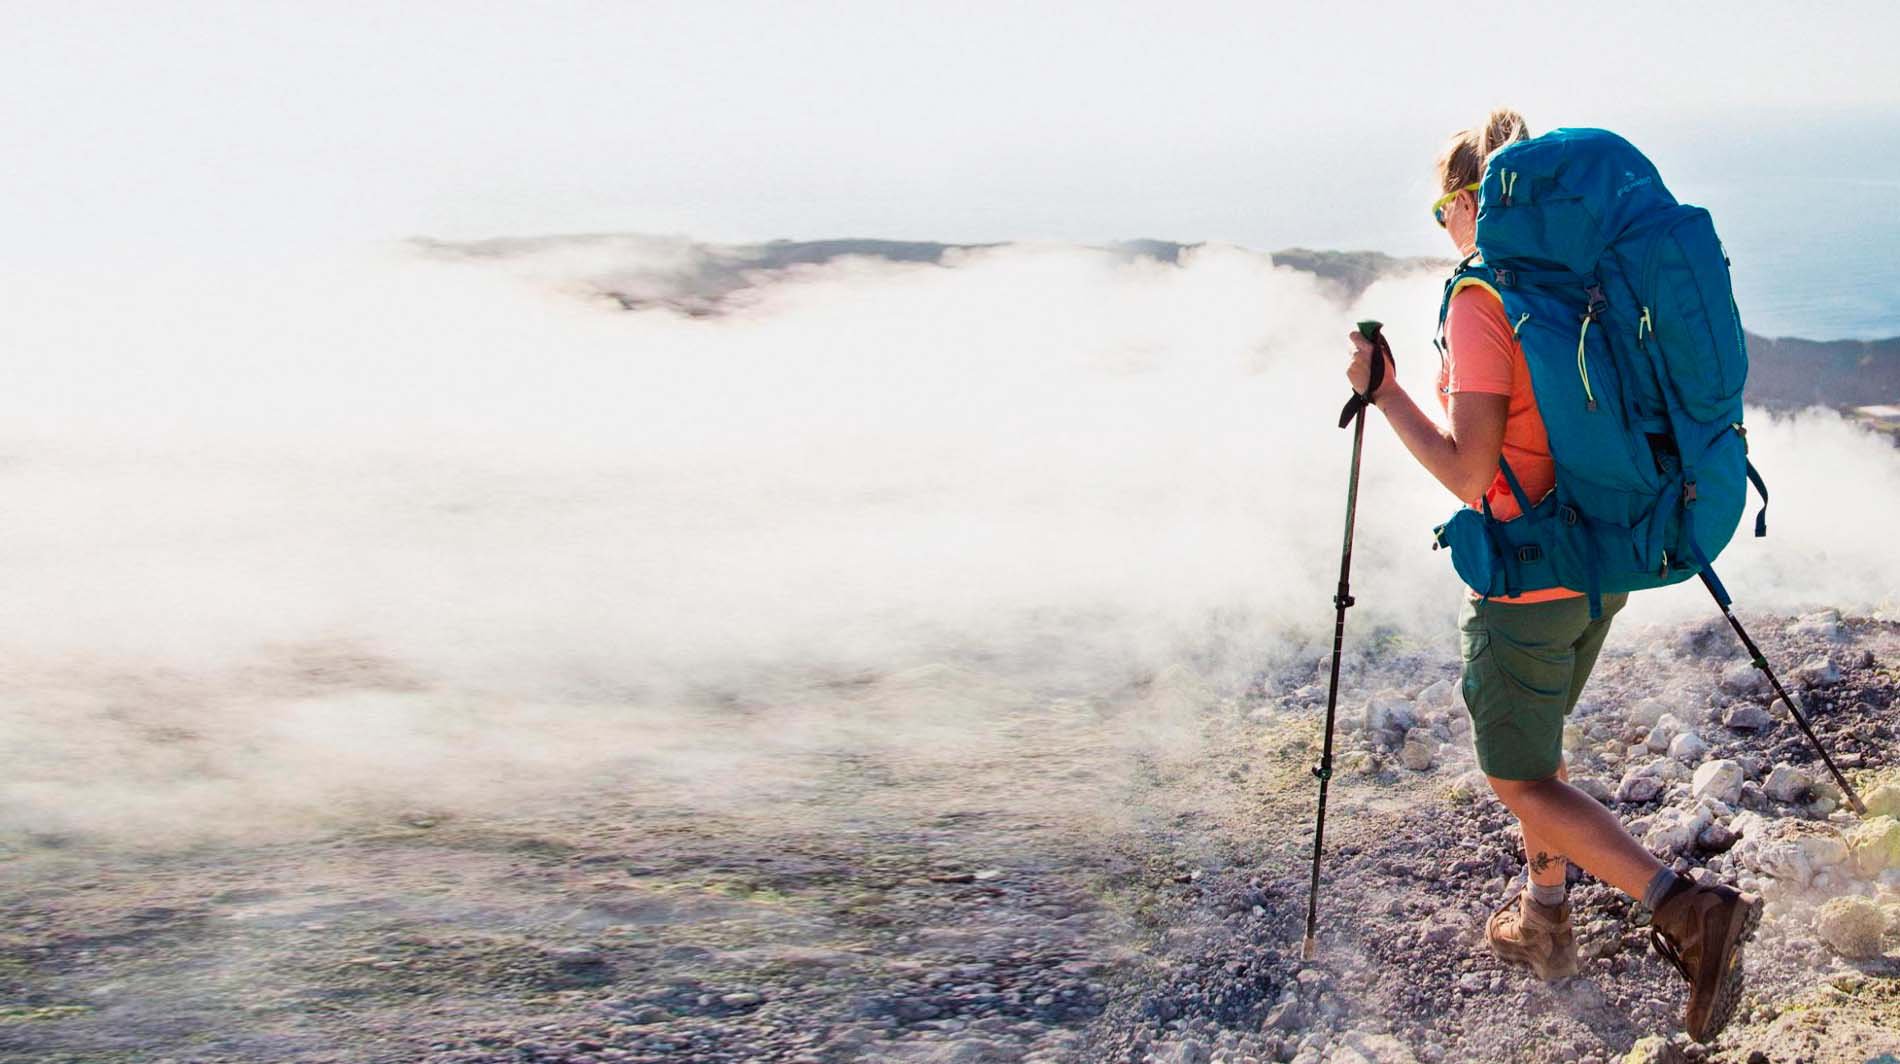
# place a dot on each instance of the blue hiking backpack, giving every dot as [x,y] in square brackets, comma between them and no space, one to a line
[1620,298]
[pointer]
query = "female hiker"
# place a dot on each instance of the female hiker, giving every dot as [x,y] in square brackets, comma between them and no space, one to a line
[1526,657]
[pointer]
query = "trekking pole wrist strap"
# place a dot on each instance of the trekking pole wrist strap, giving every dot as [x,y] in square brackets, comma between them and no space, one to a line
[1381,354]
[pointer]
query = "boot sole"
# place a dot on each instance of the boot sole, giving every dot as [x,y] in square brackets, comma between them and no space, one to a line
[1742,926]
[1525,960]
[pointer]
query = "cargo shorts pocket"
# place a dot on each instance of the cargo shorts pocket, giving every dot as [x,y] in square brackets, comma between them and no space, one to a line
[1474,638]
[1517,674]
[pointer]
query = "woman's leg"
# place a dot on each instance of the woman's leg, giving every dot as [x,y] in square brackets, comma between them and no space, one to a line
[1565,819]
[1543,858]
[1524,669]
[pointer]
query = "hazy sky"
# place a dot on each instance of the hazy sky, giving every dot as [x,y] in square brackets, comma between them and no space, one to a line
[172,125]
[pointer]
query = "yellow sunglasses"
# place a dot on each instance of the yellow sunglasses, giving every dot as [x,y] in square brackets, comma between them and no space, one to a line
[1438,208]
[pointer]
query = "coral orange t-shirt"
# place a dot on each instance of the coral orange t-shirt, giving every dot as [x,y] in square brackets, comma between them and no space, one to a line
[1483,355]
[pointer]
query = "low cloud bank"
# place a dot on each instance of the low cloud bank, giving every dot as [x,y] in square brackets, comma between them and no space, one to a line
[398,529]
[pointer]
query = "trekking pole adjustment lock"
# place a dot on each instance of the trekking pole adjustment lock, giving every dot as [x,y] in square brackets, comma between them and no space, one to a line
[1342,601]
[1323,771]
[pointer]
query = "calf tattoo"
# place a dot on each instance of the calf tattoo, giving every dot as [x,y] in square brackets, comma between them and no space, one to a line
[1543,861]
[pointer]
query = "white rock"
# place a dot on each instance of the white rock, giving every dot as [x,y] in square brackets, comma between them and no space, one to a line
[1421,749]
[1823,623]
[1817,672]
[1688,747]
[1742,678]
[1671,831]
[1647,712]
[1791,851]
[1781,859]
[1823,849]
[1670,770]
[1638,785]
[1668,726]
[1746,716]
[1787,783]
[1443,693]
[1720,780]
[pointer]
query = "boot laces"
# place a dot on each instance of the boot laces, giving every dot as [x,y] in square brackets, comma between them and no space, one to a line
[1668,951]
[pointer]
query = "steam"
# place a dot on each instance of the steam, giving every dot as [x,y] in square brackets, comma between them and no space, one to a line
[389,530]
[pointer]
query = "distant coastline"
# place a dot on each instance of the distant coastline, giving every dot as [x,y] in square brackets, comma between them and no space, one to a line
[1785,373]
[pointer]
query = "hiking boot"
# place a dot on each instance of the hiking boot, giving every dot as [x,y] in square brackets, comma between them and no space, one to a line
[1536,936]
[1700,929]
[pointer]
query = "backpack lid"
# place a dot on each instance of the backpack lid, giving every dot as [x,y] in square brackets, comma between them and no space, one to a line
[1556,202]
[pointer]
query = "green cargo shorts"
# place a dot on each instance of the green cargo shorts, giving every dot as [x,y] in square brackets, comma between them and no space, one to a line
[1525,665]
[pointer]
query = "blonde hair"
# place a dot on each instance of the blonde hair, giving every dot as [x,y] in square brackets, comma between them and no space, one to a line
[1462,161]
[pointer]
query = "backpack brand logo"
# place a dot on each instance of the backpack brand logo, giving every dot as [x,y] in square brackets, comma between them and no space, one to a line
[1631,181]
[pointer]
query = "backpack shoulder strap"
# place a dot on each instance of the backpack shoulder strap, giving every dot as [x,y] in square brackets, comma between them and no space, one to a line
[1466,274]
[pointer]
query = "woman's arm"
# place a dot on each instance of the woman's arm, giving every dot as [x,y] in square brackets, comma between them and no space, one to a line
[1465,459]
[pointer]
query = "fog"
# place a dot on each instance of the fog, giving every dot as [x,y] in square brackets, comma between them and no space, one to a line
[308,541]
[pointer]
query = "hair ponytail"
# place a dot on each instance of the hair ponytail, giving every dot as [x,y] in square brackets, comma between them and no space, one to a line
[1462,161]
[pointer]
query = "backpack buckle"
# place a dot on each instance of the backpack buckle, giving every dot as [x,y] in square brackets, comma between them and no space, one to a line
[1597,303]
[1530,552]
[1688,493]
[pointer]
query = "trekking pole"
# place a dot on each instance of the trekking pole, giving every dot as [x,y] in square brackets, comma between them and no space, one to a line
[1355,414]
[1720,594]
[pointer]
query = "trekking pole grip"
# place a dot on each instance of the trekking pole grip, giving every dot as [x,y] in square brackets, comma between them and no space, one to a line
[1381,353]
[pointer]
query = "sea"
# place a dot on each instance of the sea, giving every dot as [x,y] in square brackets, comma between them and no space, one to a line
[1820,260]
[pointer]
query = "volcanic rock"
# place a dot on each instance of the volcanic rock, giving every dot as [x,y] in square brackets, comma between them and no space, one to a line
[1883,800]
[1818,672]
[1721,780]
[1688,747]
[1742,678]
[1389,711]
[1668,726]
[1787,783]
[1638,785]
[1851,926]
[1875,845]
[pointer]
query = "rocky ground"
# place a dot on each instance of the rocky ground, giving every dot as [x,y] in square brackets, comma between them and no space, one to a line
[1146,905]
